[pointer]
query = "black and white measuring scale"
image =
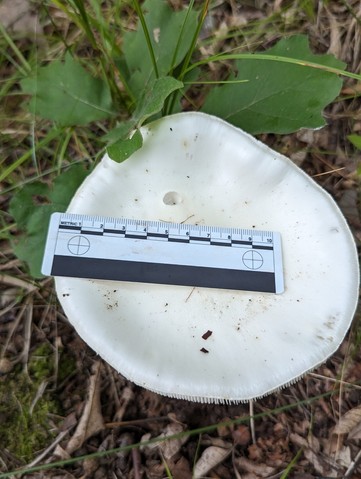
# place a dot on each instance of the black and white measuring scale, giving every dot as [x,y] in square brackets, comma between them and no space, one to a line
[119,249]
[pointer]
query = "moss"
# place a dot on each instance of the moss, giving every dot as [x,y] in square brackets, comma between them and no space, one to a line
[67,366]
[25,419]
[41,365]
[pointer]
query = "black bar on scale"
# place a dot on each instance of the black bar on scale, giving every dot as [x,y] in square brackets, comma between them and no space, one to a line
[220,243]
[157,235]
[200,238]
[249,243]
[136,235]
[178,240]
[113,231]
[69,227]
[181,275]
[92,232]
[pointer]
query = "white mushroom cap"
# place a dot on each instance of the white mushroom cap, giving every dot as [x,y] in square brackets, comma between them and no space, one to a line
[199,169]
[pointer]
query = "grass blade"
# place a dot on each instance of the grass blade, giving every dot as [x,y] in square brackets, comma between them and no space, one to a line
[29,154]
[147,37]
[274,58]
[203,15]
[15,49]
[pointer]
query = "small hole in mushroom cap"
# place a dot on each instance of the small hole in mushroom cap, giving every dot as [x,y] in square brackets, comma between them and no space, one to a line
[172,198]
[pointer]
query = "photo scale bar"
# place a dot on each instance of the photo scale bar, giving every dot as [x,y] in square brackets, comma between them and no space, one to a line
[151,235]
[173,274]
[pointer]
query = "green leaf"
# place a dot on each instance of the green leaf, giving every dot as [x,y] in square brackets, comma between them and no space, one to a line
[67,94]
[278,97]
[120,132]
[65,185]
[171,36]
[29,246]
[154,97]
[150,104]
[22,204]
[123,149]
[32,218]
[355,140]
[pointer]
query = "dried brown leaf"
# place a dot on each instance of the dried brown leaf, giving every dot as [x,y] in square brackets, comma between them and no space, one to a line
[91,421]
[352,90]
[355,433]
[89,467]
[260,470]
[319,465]
[211,457]
[17,16]
[168,448]
[180,469]
[60,453]
[343,457]
[310,443]
[348,421]
[241,435]
[5,366]
[335,36]
[171,447]
[325,464]
[127,396]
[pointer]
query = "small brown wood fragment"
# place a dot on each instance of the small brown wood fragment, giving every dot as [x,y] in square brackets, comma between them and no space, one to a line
[207,334]
[204,350]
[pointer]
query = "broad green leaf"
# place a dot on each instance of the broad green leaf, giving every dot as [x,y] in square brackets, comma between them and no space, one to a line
[22,204]
[65,185]
[123,149]
[154,97]
[149,105]
[67,94]
[32,218]
[355,140]
[278,97]
[120,132]
[171,36]
[29,246]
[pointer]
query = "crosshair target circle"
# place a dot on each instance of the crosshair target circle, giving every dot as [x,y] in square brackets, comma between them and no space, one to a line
[252,259]
[78,245]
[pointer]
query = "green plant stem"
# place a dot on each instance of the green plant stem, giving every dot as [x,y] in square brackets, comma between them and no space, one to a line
[15,49]
[274,58]
[185,67]
[147,37]
[80,18]
[169,102]
[216,82]
[291,464]
[13,166]
[73,17]
[33,148]
[180,38]
[11,60]
[64,146]
[187,59]
[79,6]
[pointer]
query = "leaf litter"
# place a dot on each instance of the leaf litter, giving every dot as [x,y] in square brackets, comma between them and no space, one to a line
[326,430]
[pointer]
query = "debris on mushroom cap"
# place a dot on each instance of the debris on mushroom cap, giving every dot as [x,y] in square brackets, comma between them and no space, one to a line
[199,169]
